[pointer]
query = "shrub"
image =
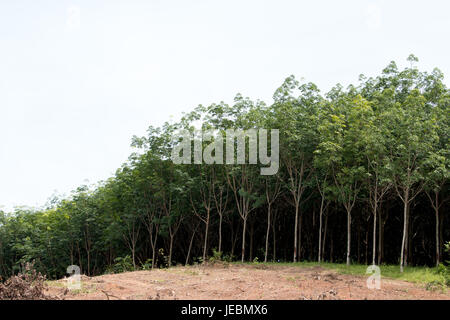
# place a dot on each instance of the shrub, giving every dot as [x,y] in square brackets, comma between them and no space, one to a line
[163,259]
[447,268]
[147,265]
[217,256]
[228,258]
[121,264]
[444,272]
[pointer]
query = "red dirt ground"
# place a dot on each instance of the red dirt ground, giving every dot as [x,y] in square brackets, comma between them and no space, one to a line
[240,282]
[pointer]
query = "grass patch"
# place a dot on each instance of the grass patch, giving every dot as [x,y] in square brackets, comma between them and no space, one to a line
[421,275]
[56,284]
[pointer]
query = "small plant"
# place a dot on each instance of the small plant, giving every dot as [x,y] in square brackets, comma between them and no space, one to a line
[163,260]
[198,260]
[228,258]
[217,256]
[444,272]
[147,265]
[121,264]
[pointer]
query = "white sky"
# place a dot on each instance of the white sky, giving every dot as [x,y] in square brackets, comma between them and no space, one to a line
[79,78]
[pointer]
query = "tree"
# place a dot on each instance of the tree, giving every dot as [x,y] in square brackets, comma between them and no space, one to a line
[409,146]
[294,115]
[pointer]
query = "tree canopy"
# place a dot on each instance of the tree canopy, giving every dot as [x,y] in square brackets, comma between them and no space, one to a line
[363,177]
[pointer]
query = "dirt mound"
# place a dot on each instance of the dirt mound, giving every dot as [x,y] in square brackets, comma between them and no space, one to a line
[242,282]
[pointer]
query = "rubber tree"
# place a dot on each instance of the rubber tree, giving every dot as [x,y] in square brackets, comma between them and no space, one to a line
[295,108]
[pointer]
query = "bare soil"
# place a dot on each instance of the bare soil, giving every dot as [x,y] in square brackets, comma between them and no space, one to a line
[240,282]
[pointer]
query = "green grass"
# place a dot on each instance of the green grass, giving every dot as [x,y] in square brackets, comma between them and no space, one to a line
[422,275]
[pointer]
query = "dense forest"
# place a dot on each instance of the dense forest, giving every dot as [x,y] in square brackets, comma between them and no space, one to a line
[363,178]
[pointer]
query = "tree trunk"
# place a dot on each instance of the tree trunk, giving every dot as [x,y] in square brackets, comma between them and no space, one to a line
[349,238]
[220,232]
[441,233]
[170,251]
[380,238]
[133,253]
[300,219]
[79,257]
[374,235]
[243,240]
[367,247]
[154,251]
[190,247]
[206,238]
[331,248]
[295,232]
[320,232]
[251,242]
[267,233]
[233,243]
[405,229]
[436,211]
[324,238]
[274,255]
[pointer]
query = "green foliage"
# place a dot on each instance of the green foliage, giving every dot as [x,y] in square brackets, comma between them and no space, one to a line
[228,258]
[147,265]
[217,256]
[419,275]
[163,259]
[121,264]
[444,270]
[388,133]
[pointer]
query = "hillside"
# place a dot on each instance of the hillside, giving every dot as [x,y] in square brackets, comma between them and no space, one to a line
[241,282]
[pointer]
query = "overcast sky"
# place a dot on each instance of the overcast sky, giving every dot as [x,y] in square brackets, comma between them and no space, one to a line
[79,78]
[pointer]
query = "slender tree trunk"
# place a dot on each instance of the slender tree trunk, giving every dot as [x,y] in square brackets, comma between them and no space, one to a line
[133,253]
[190,246]
[154,251]
[251,240]
[267,233]
[349,238]
[243,240]
[234,238]
[374,235]
[366,256]
[88,263]
[436,212]
[206,237]
[300,219]
[233,242]
[441,233]
[295,231]
[324,238]
[405,229]
[79,257]
[438,258]
[438,230]
[220,232]
[320,231]
[274,255]
[170,251]
[331,248]
[380,238]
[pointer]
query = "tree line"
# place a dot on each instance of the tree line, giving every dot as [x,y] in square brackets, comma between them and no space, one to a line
[363,178]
